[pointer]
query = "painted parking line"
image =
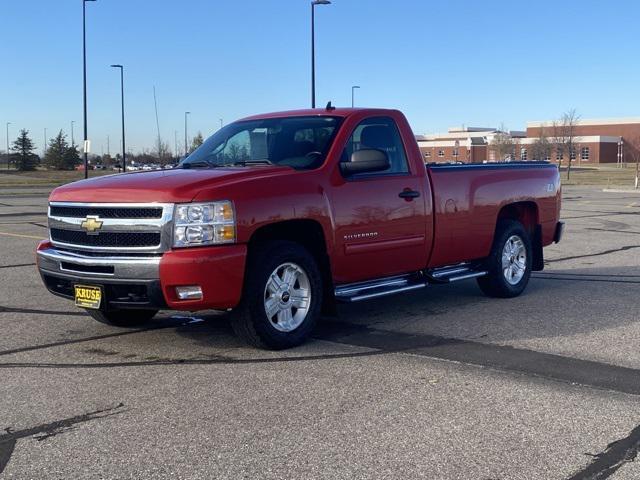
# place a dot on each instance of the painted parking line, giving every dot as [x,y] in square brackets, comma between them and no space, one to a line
[19,235]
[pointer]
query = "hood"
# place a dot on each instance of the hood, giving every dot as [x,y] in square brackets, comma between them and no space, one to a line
[163,186]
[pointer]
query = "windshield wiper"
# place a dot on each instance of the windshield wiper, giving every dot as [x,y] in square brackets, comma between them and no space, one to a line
[263,161]
[199,164]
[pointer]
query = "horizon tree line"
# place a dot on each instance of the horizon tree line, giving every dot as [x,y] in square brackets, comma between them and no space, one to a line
[60,155]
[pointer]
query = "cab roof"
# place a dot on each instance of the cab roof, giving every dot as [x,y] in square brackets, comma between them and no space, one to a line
[320,112]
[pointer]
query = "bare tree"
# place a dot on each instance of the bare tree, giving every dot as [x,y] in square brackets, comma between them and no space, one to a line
[502,144]
[565,138]
[556,141]
[633,150]
[541,147]
[162,152]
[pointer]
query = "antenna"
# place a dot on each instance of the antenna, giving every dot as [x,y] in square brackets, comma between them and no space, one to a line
[330,107]
[155,102]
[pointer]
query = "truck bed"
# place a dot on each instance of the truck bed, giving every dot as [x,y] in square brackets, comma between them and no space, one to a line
[468,198]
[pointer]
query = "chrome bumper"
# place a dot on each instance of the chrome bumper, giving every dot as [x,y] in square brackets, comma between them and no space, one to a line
[128,282]
[112,269]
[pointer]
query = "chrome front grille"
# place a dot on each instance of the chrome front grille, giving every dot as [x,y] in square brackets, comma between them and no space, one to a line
[106,212]
[106,239]
[111,227]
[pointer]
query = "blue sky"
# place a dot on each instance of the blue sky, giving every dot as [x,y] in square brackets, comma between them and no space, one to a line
[443,63]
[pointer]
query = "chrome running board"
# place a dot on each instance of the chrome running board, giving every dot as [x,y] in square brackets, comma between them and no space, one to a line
[454,273]
[355,292]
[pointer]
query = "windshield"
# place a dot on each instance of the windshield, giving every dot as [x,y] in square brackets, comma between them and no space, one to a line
[298,142]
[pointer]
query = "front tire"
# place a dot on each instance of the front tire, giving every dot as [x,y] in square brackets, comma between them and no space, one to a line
[122,318]
[282,297]
[509,264]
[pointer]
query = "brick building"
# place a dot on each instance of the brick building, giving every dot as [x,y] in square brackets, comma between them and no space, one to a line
[596,141]
[462,144]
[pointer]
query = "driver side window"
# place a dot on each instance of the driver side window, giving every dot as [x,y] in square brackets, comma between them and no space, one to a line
[379,133]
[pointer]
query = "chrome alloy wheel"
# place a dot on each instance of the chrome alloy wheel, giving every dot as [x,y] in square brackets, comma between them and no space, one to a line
[287,297]
[514,260]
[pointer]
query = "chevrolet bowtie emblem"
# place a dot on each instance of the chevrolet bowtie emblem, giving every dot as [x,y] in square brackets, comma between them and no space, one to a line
[92,224]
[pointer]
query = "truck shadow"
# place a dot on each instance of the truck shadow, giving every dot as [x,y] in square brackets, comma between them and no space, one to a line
[556,303]
[452,323]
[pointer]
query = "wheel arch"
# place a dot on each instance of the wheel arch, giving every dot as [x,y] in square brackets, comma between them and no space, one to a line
[528,214]
[309,234]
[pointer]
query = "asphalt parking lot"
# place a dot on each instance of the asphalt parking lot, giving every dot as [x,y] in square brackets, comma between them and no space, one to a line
[440,384]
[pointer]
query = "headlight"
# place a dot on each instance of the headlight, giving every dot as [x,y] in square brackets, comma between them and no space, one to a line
[204,224]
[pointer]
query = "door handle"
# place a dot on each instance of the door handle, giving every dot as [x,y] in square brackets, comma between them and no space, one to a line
[409,194]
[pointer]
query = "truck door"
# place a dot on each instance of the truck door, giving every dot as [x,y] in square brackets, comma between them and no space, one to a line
[380,218]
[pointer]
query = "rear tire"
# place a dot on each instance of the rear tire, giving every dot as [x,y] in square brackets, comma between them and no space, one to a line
[510,261]
[283,279]
[122,318]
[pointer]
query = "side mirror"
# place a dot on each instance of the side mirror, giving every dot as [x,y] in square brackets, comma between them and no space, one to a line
[366,161]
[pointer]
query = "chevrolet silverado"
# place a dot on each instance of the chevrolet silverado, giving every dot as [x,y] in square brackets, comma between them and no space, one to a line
[276,218]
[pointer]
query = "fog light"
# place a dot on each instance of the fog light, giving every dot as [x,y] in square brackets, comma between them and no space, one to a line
[192,292]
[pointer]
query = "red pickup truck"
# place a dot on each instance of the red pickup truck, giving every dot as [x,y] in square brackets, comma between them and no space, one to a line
[278,217]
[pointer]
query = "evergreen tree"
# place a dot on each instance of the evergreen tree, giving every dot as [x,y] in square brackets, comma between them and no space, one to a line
[72,158]
[58,156]
[196,142]
[24,158]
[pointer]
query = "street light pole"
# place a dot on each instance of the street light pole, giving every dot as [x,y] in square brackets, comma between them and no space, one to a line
[84,83]
[8,123]
[186,149]
[221,124]
[352,96]
[124,155]
[44,150]
[313,48]
[72,138]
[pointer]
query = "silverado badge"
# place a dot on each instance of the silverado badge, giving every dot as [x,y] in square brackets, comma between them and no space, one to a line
[92,224]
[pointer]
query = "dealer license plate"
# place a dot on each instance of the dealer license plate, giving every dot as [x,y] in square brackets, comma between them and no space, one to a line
[88,296]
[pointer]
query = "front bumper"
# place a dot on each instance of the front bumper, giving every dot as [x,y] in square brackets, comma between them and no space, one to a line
[149,281]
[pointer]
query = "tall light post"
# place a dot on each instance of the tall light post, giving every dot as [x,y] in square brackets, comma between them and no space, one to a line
[44,150]
[124,156]
[186,149]
[84,84]
[353,88]
[8,123]
[73,142]
[313,48]
[220,124]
